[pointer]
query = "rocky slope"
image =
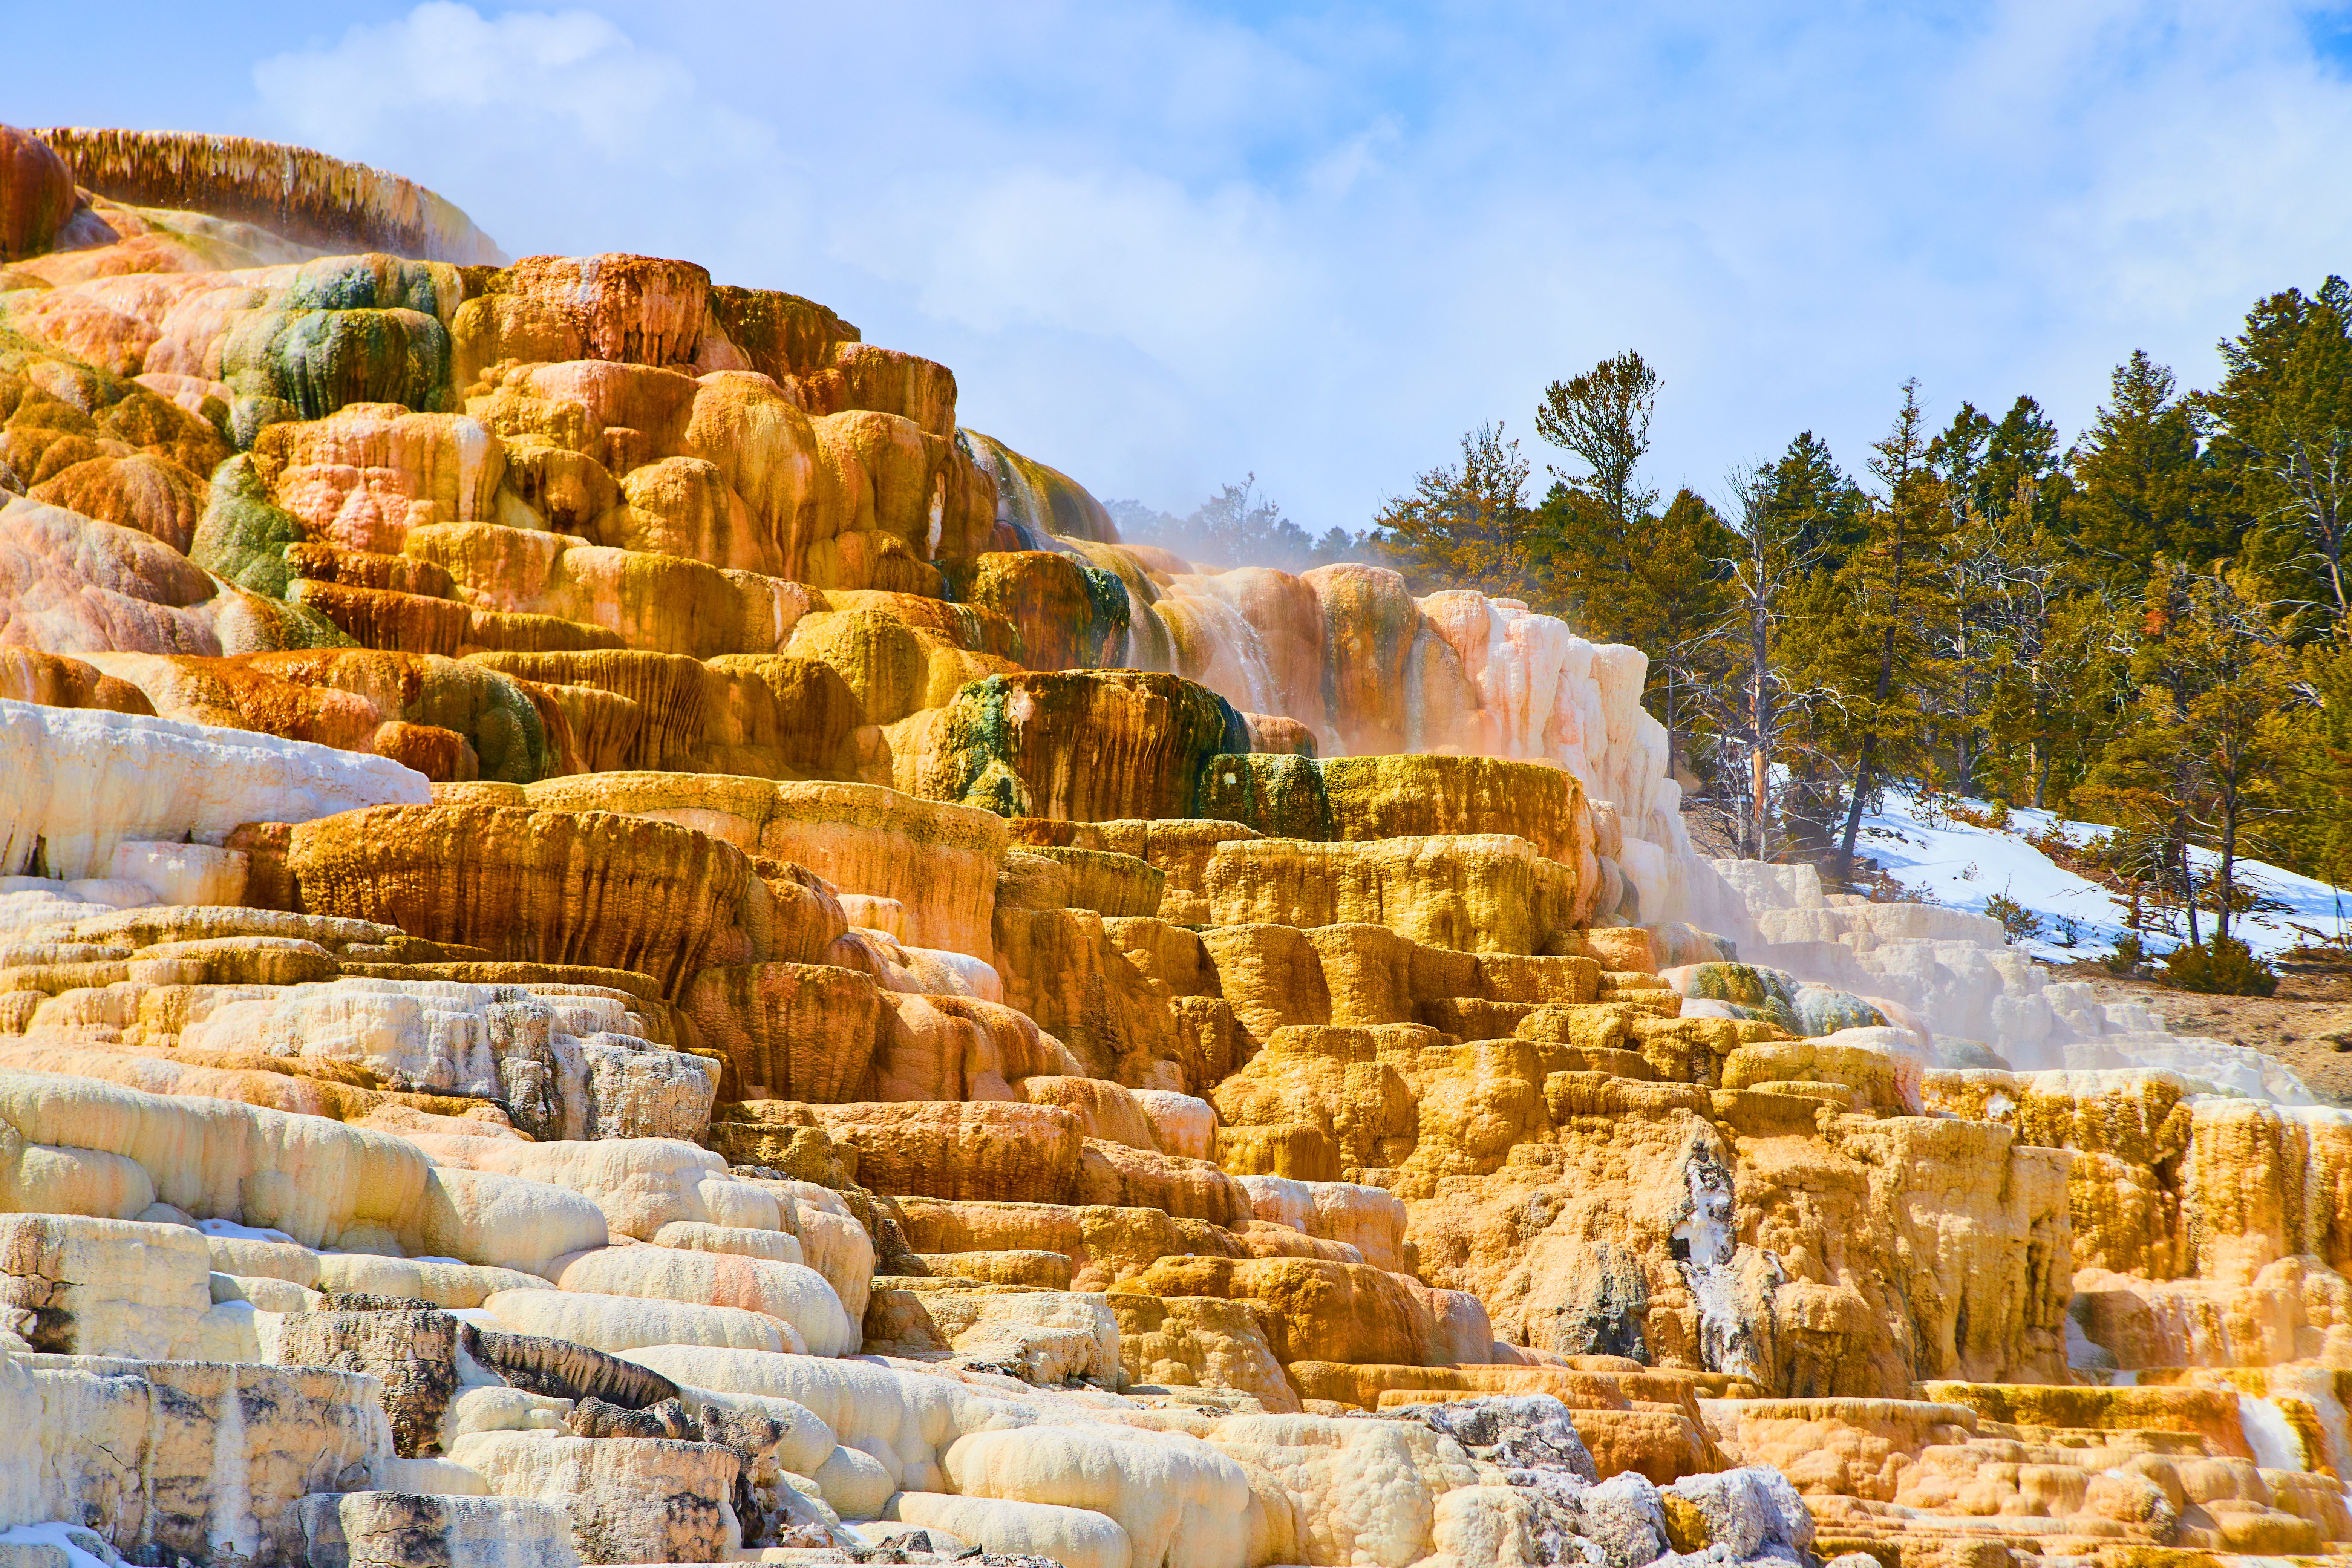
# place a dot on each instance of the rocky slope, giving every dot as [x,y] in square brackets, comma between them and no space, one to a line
[618,944]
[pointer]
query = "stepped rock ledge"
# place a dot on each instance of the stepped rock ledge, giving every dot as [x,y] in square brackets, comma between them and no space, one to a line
[619,944]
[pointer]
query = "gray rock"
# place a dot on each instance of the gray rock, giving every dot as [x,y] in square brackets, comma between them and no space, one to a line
[1962,1056]
[414,1353]
[1624,1517]
[1514,1432]
[1749,1510]
[405,1530]
[562,1370]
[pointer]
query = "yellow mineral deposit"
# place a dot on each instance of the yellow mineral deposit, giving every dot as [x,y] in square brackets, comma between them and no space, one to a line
[619,944]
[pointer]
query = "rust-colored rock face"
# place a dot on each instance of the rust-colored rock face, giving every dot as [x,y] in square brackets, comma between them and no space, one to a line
[36,193]
[634,309]
[618,892]
[581,850]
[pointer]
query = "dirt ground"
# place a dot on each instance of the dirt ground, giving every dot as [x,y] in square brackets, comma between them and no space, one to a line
[2306,1025]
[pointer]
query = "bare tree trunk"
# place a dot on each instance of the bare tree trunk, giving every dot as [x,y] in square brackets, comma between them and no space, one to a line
[2188,890]
[1869,745]
[1853,808]
[2037,755]
[2229,861]
[1760,779]
[1759,753]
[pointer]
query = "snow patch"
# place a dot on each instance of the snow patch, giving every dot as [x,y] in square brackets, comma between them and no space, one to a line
[83,1548]
[1960,866]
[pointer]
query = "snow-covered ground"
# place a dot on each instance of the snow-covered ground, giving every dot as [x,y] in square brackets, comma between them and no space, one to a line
[1955,864]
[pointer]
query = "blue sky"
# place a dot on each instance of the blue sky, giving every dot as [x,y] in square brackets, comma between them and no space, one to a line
[1163,245]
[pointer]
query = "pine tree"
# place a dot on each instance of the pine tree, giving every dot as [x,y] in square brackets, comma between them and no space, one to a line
[1885,586]
[2022,452]
[2204,757]
[1603,418]
[1621,572]
[1598,522]
[1468,525]
[2318,837]
[1677,595]
[2002,577]
[1816,507]
[2019,591]
[1819,512]
[2285,417]
[2143,491]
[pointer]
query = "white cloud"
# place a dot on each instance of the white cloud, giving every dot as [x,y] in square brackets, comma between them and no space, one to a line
[552,128]
[1126,254]
[1160,247]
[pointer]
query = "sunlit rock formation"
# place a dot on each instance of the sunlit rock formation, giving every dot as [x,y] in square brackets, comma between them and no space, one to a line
[618,944]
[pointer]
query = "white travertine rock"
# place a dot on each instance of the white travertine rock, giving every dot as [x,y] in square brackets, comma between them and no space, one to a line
[77,1145]
[572,1067]
[1749,1510]
[641,1183]
[617,1324]
[104,1287]
[1940,973]
[1473,1526]
[1177,1498]
[832,1240]
[901,1418]
[1049,1336]
[789,1292]
[1180,1500]
[1370,1219]
[632,1090]
[1524,685]
[255,1256]
[28,902]
[311,1178]
[181,873]
[1074,1537]
[691,1236]
[84,780]
[1866,928]
[804,1442]
[631,1500]
[436,1279]
[215,1456]
[361,1529]
[854,1482]
[504,1222]
[1183,1125]
[496,1407]
[1361,1491]
[265,1294]
[439,1036]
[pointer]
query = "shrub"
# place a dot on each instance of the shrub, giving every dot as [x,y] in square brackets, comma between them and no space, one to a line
[2224,967]
[2130,955]
[2070,931]
[2054,844]
[2019,923]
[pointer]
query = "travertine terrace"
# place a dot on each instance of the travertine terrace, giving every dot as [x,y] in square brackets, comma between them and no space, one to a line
[620,944]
